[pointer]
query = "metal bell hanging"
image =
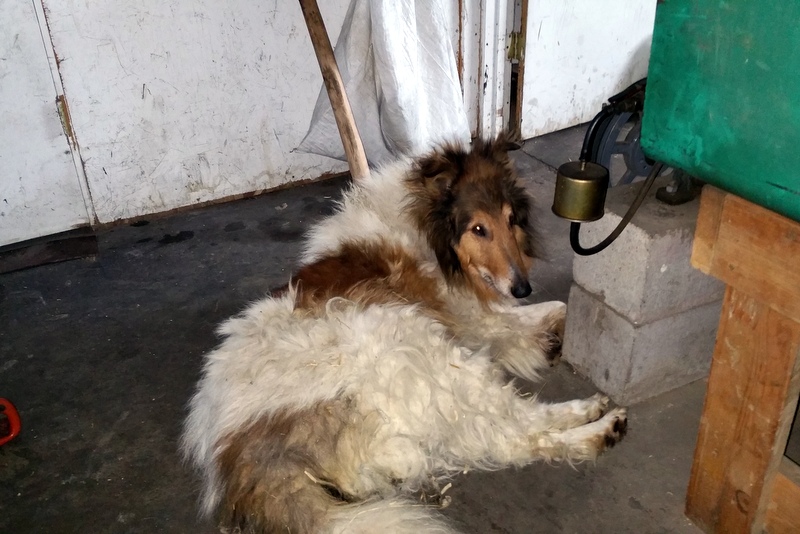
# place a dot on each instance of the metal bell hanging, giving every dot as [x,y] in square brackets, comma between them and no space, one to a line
[581,188]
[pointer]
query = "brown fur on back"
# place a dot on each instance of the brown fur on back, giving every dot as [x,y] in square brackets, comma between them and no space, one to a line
[367,273]
[268,470]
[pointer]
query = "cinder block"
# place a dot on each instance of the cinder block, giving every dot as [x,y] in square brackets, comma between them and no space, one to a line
[645,274]
[631,362]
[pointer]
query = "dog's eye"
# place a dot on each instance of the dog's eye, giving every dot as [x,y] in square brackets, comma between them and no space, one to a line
[512,220]
[479,230]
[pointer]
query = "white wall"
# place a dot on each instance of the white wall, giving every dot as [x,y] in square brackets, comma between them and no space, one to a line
[40,192]
[176,103]
[471,49]
[171,103]
[579,53]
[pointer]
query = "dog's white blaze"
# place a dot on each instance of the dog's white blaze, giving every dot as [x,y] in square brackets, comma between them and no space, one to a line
[501,285]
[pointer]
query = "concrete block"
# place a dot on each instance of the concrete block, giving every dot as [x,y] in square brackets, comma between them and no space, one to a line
[631,362]
[645,274]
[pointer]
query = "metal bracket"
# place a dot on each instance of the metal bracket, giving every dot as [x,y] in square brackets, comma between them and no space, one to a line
[684,188]
[516,46]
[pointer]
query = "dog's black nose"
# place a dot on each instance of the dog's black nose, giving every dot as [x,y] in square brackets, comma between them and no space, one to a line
[521,288]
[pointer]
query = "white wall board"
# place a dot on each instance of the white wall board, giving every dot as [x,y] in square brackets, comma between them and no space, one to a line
[40,193]
[579,53]
[177,103]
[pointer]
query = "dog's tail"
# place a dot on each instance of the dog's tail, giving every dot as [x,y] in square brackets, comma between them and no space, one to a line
[269,479]
[303,505]
[283,502]
[398,516]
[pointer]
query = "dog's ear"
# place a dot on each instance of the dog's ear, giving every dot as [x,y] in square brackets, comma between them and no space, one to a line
[440,170]
[498,148]
[510,140]
[433,181]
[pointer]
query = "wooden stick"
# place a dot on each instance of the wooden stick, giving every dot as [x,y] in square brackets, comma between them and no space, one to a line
[353,148]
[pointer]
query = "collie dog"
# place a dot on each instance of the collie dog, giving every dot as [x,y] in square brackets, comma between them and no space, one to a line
[382,369]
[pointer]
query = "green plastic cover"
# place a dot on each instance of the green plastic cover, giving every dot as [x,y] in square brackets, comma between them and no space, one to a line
[723,96]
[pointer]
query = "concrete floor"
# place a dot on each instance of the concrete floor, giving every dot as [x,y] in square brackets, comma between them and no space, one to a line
[100,357]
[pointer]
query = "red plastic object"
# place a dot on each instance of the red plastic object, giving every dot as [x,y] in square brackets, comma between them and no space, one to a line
[12,421]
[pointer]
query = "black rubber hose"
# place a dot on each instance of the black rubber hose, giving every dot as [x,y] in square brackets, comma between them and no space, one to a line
[616,104]
[575,227]
[591,131]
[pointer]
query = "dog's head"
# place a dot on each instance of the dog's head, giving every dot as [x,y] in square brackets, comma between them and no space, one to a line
[476,217]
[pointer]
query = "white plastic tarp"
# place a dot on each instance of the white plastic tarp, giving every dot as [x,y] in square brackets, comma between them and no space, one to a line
[399,69]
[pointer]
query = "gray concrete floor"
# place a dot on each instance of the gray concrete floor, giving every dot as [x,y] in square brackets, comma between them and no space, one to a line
[100,357]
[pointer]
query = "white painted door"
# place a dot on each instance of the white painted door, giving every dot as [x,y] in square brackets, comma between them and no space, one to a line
[577,54]
[40,191]
[176,104]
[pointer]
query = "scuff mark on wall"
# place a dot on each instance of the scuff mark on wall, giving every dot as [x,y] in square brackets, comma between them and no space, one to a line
[66,121]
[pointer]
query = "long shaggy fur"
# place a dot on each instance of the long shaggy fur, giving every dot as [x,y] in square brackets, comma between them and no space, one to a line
[381,370]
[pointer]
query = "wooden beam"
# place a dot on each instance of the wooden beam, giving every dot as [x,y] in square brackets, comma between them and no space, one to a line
[754,382]
[752,391]
[342,112]
[783,512]
[705,233]
[750,248]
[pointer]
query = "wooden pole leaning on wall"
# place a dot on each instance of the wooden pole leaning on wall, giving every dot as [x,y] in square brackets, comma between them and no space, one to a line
[351,140]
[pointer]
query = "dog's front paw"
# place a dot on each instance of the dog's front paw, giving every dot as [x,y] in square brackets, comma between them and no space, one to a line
[594,407]
[545,322]
[617,427]
[528,338]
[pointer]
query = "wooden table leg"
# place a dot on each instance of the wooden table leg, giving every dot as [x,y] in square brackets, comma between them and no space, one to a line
[752,392]
[737,481]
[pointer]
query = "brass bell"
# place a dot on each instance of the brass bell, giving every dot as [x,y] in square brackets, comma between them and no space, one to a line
[581,188]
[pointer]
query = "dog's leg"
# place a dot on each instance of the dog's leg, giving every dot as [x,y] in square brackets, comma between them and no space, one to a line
[584,442]
[546,318]
[491,441]
[477,420]
[535,314]
[524,339]
[544,322]
[570,414]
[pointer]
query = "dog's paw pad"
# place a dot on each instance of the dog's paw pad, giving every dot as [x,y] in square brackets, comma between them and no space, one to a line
[617,427]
